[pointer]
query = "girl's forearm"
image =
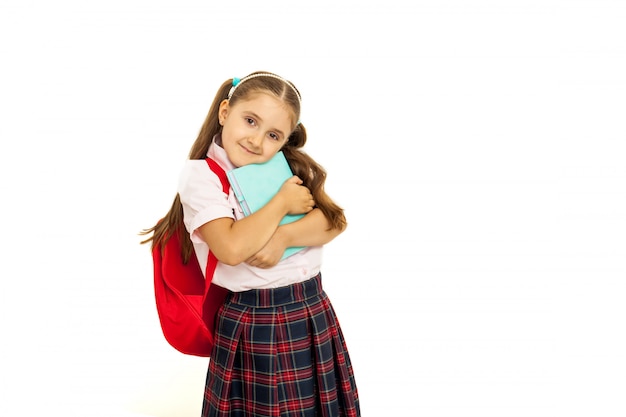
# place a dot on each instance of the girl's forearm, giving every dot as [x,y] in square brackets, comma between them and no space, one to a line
[232,242]
[311,230]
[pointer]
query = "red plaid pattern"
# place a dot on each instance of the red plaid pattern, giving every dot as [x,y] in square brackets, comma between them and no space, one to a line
[280,353]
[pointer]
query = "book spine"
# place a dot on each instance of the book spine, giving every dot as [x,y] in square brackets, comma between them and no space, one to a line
[238,194]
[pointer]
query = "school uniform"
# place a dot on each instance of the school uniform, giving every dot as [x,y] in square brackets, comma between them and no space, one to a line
[279,349]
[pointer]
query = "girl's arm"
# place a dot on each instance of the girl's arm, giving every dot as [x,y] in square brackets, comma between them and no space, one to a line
[311,230]
[232,242]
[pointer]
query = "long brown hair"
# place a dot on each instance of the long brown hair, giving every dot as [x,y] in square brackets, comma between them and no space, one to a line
[312,174]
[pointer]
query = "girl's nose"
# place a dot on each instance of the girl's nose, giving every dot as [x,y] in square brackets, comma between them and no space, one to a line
[256,140]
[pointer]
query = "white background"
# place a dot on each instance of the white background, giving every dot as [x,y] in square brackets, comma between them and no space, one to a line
[476,146]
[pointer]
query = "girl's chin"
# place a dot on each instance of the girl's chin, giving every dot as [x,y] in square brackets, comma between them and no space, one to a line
[246,158]
[241,161]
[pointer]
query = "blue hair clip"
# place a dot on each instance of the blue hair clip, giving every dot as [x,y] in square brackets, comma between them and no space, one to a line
[236,82]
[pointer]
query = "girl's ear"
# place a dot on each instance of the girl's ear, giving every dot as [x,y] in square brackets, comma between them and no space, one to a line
[223,111]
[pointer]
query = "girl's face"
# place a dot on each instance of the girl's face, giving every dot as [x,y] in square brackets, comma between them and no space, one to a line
[254,129]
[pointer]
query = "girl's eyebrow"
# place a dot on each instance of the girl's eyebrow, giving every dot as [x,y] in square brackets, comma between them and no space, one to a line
[259,118]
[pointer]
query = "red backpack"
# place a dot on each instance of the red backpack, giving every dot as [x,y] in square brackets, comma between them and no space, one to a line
[186,302]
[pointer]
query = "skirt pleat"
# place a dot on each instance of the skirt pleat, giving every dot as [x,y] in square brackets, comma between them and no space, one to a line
[280,353]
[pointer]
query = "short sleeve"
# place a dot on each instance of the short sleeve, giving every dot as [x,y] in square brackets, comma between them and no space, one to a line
[202,197]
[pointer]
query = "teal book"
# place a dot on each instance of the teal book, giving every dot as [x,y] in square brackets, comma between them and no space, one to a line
[254,186]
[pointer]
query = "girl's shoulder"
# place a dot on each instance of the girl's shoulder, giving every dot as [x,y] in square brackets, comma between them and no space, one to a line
[197,175]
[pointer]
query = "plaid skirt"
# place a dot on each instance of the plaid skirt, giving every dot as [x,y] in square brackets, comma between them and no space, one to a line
[280,353]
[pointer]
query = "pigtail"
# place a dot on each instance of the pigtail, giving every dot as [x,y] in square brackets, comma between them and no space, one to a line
[169,225]
[314,177]
[172,222]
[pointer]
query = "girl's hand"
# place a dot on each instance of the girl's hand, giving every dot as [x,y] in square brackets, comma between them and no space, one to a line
[270,254]
[297,198]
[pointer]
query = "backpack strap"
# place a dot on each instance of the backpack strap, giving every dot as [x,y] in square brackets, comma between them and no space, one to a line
[221,174]
[214,295]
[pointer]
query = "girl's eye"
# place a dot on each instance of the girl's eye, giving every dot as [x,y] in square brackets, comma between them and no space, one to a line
[274,136]
[250,121]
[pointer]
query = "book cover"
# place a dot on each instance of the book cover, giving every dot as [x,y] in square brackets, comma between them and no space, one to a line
[254,186]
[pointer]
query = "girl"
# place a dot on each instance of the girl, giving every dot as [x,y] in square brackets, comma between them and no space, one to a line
[279,350]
